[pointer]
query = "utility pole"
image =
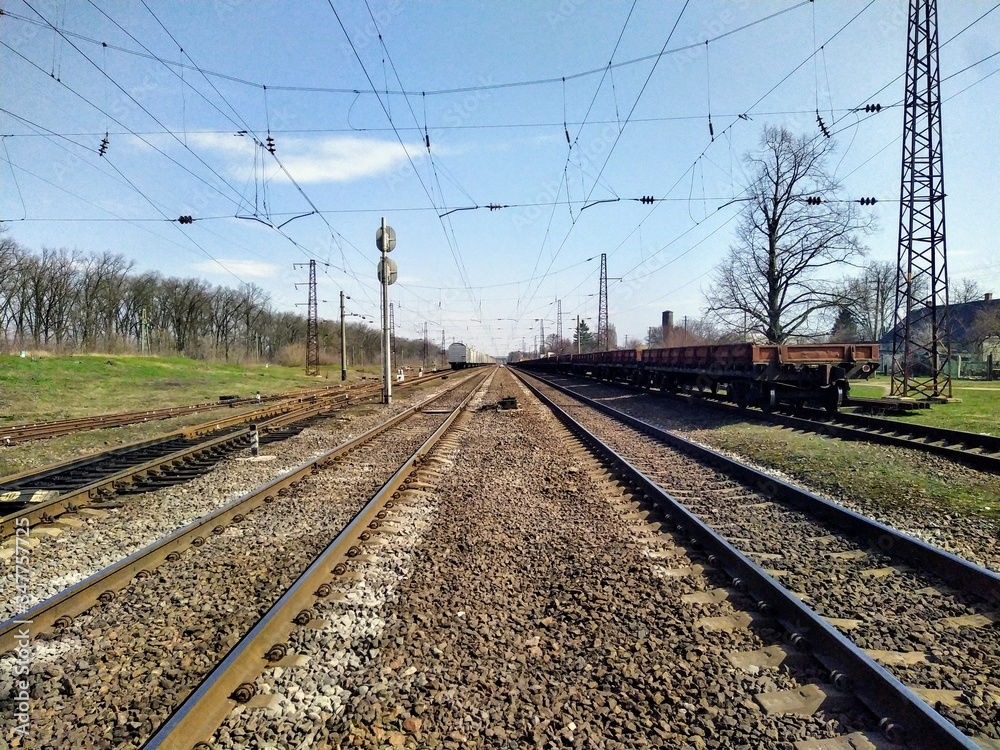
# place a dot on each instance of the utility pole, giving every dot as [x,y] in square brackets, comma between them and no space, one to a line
[424,360]
[312,322]
[541,335]
[343,338]
[921,342]
[577,334]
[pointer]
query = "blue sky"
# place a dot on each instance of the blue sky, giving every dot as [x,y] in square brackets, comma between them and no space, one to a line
[177,82]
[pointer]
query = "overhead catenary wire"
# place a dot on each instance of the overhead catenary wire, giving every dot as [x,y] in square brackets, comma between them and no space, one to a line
[446,91]
[430,197]
[346,268]
[700,163]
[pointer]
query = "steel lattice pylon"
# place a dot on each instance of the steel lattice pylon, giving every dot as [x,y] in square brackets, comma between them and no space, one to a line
[602,309]
[559,331]
[921,346]
[312,325]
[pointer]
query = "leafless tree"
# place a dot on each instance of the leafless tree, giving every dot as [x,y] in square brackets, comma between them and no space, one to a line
[136,310]
[774,278]
[869,300]
[985,328]
[12,257]
[966,290]
[100,287]
[46,295]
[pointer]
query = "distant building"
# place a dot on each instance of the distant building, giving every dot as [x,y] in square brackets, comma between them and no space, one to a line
[967,339]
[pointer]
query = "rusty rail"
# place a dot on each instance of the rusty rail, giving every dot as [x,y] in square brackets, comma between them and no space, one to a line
[104,585]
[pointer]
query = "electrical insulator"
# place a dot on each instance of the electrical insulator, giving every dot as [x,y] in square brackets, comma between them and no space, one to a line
[873,108]
[814,200]
[822,125]
[185,220]
[711,130]
[270,144]
[868,201]
[566,131]
[647,199]
[104,146]
[427,140]
[495,207]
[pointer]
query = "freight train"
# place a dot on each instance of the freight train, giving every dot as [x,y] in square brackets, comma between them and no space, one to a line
[461,356]
[763,375]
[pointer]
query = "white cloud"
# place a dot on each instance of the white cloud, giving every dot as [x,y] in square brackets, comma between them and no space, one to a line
[333,159]
[243,268]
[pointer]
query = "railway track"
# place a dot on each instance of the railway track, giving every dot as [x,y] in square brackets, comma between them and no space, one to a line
[20,433]
[884,602]
[43,495]
[973,449]
[523,590]
[576,663]
[161,618]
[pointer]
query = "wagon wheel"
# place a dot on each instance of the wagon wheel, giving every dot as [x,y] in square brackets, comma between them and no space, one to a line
[768,398]
[834,398]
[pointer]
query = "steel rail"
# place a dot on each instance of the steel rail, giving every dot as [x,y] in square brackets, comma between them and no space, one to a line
[961,573]
[267,419]
[105,583]
[902,713]
[12,434]
[863,428]
[82,497]
[18,433]
[201,713]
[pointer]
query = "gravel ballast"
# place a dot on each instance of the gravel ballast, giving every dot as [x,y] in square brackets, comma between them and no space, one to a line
[138,520]
[519,604]
[120,668]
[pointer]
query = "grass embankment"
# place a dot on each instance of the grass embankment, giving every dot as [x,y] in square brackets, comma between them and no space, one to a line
[978,410]
[50,388]
[865,472]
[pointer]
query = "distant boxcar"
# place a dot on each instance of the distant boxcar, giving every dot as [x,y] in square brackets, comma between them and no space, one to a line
[751,374]
[461,356]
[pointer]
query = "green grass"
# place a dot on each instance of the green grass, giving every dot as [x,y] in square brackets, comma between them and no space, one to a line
[977,406]
[50,388]
[845,469]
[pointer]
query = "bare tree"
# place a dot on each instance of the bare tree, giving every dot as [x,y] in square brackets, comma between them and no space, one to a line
[136,310]
[869,300]
[12,258]
[966,290]
[46,295]
[793,231]
[100,287]
[985,328]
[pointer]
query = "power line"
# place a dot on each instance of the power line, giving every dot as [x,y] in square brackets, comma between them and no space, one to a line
[454,250]
[432,92]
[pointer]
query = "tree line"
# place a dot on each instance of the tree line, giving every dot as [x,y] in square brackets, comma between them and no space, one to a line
[65,300]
